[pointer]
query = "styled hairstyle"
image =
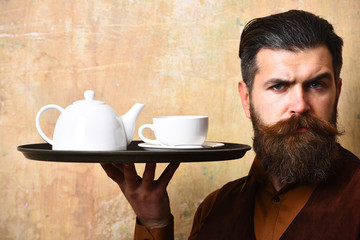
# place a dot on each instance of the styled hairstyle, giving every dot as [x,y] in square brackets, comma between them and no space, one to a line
[293,31]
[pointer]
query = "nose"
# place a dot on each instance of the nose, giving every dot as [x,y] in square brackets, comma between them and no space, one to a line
[298,102]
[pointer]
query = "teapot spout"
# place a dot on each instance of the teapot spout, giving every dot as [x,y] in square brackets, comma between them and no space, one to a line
[129,121]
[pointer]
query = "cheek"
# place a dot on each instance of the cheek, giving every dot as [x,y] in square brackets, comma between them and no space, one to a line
[269,111]
[324,108]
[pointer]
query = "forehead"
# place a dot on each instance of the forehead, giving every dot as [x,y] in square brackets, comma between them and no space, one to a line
[293,65]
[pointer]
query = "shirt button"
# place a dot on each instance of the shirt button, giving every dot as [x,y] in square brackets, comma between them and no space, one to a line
[276,199]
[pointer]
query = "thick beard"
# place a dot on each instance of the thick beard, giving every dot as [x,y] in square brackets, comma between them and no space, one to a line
[297,157]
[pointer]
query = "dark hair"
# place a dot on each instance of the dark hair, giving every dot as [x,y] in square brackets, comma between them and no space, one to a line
[293,30]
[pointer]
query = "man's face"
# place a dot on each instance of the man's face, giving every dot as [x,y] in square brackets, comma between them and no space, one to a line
[292,83]
[293,110]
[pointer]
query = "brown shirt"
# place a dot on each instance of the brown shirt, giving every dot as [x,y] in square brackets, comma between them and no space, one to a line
[274,211]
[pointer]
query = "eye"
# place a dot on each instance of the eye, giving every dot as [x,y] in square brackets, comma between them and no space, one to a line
[316,85]
[278,87]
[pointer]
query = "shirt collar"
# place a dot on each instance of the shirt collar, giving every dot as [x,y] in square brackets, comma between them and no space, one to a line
[257,170]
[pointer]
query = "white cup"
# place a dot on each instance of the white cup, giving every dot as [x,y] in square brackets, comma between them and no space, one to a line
[177,130]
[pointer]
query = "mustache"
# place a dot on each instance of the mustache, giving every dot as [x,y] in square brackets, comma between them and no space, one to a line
[306,121]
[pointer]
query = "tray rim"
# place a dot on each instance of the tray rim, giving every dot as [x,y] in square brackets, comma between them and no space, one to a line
[137,155]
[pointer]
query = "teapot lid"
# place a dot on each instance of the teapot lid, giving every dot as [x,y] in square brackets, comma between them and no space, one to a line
[89,98]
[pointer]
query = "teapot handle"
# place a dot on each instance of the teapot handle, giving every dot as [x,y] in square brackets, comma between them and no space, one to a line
[37,121]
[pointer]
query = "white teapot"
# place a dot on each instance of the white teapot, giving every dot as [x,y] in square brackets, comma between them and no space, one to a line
[91,125]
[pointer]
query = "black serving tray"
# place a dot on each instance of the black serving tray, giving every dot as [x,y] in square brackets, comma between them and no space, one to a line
[134,154]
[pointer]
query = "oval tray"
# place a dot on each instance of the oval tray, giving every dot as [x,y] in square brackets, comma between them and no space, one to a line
[134,154]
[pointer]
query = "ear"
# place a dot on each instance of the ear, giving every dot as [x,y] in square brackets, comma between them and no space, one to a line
[245,97]
[338,89]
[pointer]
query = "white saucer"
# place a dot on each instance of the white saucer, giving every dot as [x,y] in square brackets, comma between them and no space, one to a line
[204,145]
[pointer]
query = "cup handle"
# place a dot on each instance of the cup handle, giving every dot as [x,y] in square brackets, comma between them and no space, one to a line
[145,139]
[37,121]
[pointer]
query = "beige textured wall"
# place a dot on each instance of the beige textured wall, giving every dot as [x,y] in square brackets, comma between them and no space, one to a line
[177,57]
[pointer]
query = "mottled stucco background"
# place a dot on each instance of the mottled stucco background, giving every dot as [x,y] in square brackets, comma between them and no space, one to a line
[177,57]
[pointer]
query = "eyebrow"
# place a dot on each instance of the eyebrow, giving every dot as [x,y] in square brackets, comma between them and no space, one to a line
[275,81]
[319,77]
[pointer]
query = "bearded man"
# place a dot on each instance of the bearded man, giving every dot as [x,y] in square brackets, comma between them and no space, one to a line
[302,184]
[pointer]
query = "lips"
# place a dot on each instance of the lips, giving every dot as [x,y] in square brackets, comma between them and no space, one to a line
[302,129]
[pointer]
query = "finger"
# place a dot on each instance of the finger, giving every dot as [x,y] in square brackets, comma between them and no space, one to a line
[113,173]
[149,174]
[168,174]
[119,166]
[130,175]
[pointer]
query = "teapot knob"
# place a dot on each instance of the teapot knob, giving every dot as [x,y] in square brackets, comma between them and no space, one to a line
[89,95]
